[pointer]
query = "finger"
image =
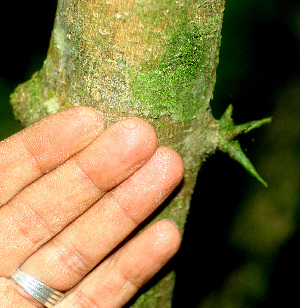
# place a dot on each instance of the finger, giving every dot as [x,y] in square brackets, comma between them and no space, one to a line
[38,149]
[114,282]
[67,258]
[11,295]
[44,208]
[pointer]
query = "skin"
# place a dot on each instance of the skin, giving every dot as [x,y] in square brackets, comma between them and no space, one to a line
[70,192]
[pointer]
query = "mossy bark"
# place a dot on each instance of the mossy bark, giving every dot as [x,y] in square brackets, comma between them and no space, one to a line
[154,59]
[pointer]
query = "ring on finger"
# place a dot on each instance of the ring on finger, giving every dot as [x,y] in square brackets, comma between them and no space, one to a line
[43,293]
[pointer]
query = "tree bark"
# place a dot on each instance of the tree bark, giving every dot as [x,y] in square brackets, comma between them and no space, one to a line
[154,59]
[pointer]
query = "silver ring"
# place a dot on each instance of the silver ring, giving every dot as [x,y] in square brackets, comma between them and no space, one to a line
[44,294]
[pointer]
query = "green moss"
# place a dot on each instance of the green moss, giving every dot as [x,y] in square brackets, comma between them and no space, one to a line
[25,101]
[29,103]
[160,295]
[147,300]
[175,85]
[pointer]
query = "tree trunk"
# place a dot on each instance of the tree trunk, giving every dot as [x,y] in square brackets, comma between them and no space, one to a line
[154,59]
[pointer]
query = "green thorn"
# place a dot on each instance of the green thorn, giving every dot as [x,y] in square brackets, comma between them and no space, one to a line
[228,131]
[226,119]
[227,124]
[235,151]
[247,127]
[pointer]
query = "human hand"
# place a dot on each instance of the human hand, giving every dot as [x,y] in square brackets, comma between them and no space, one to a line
[70,193]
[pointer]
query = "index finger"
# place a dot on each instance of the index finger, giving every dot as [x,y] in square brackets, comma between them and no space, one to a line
[43,146]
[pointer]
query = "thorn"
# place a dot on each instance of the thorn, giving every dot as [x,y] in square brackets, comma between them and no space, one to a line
[228,131]
[235,151]
[247,127]
[228,112]
[226,119]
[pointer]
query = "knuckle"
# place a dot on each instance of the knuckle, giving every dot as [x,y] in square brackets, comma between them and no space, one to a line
[73,261]
[85,300]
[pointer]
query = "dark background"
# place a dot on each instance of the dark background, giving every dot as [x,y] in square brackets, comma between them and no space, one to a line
[259,74]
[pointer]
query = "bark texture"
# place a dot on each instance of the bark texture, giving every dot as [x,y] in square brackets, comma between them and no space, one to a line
[154,59]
